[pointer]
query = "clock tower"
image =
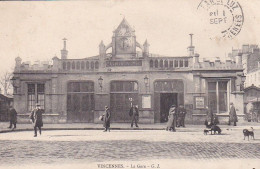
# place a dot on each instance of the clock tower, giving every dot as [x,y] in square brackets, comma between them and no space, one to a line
[124,41]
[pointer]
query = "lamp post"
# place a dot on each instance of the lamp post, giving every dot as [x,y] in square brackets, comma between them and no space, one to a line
[100,81]
[146,82]
[131,101]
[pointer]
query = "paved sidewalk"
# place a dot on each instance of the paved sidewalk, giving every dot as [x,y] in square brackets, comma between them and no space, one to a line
[121,126]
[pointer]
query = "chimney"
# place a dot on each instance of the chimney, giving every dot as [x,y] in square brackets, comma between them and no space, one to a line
[245,48]
[64,52]
[191,48]
[239,59]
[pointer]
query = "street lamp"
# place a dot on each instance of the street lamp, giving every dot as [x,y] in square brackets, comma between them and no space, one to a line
[131,101]
[100,80]
[146,82]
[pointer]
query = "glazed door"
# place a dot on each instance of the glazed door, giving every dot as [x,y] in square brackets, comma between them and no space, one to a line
[166,93]
[120,106]
[80,102]
[166,101]
[123,94]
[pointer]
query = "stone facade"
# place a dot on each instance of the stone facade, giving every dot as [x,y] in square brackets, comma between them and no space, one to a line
[76,90]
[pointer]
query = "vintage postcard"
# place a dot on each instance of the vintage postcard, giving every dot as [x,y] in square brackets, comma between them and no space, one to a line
[133,84]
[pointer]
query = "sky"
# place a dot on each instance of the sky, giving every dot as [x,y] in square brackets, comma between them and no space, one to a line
[34,30]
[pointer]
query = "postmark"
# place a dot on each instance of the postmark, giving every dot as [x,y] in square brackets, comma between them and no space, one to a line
[225,17]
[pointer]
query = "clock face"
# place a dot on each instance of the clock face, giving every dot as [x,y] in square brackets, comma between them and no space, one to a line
[122,31]
[125,43]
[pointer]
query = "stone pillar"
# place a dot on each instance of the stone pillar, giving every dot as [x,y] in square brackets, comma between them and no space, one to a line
[18,63]
[55,63]
[146,49]
[196,60]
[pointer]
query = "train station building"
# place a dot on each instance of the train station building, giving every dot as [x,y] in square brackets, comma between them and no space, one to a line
[77,90]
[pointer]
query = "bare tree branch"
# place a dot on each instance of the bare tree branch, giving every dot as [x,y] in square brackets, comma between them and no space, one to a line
[5,82]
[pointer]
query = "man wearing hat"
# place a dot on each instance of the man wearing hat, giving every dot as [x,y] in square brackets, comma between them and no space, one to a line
[232,115]
[107,116]
[13,117]
[134,114]
[36,118]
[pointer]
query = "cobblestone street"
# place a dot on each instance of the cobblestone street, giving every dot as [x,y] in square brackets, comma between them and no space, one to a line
[91,147]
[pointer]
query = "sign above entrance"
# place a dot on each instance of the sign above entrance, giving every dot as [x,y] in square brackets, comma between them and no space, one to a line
[124,63]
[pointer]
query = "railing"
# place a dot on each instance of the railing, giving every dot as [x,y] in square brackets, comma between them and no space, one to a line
[163,63]
[87,65]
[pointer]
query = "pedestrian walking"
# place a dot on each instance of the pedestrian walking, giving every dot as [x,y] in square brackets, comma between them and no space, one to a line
[36,118]
[232,115]
[134,114]
[13,117]
[181,116]
[107,116]
[171,119]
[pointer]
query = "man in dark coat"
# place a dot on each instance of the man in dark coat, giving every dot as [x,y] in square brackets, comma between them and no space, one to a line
[181,116]
[107,116]
[134,113]
[36,117]
[13,117]
[232,115]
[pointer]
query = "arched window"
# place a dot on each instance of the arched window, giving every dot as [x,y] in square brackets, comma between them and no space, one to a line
[151,63]
[186,63]
[156,64]
[64,65]
[176,63]
[87,65]
[161,63]
[96,65]
[78,65]
[171,64]
[181,63]
[166,63]
[73,65]
[82,65]
[68,65]
[92,65]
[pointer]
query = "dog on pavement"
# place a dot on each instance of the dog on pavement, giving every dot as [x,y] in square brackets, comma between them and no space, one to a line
[214,128]
[249,132]
[211,128]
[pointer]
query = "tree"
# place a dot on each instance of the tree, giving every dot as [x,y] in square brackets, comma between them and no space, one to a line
[5,82]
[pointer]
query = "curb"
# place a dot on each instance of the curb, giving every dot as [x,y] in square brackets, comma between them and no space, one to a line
[49,129]
[118,128]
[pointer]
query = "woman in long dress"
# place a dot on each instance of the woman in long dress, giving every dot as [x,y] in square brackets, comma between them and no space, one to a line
[171,119]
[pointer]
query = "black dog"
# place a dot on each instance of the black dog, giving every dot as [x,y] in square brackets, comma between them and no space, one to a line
[211,127]
[248,133]
[215,128]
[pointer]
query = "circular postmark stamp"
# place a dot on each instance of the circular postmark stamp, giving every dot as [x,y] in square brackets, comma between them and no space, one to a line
[224,18]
